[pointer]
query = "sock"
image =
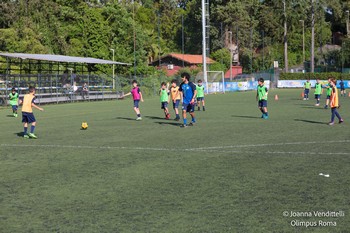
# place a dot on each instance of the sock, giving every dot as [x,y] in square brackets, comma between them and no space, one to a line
[177,116]
[32,128]
[138,115]
[193,119]
[262,111]
[25,130]
[185,121]
[203,107]
[318,101]
[266,114]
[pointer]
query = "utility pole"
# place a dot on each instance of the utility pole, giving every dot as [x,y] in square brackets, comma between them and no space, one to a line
[285,38]
[347,24]
[231,54]
[312,60]
[303,23]
[113,69]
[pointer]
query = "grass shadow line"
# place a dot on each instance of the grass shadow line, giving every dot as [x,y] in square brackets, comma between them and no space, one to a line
[20,134]
[168,123]
[155,118]
[126,118]
[311,122]
[249,117]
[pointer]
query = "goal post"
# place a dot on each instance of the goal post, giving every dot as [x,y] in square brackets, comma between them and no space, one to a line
[216,81]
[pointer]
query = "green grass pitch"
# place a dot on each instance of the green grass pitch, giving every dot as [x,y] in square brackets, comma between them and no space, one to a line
[231,172]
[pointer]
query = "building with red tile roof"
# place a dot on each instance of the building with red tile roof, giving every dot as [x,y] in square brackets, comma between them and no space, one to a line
[173,62]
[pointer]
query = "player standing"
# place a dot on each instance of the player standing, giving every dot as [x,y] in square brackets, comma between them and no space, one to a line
[13,97]
[27,113]
[261,97]
[200,95]
[164,99]
[137,96]
[307,86]
[188,94]
[334,102]
[318,92]
[175,98]
[342,88]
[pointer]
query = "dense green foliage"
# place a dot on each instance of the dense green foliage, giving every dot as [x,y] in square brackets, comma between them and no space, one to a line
[232,172]
[141,30]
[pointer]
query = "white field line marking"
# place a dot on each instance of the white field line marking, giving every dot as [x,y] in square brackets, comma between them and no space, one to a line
[272,144]
[211,149]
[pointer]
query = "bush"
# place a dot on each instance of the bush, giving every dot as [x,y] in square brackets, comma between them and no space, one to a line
[304,76]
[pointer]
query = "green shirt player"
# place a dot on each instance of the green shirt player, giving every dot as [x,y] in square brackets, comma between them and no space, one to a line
[261,97]
[13,97]
[164,99]
[307,87]
[318,92]
[200,95]
[329,93]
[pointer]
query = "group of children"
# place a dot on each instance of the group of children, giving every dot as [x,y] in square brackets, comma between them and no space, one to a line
[332,100]
[188,92]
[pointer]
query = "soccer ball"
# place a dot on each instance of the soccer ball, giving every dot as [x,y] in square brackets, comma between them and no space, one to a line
[84,125]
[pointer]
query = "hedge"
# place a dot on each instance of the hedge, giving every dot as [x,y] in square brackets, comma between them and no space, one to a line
[305,76]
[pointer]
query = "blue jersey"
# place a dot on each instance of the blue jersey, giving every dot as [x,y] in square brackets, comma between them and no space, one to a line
[187,91]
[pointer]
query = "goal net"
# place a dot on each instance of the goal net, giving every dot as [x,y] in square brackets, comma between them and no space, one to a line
[216,81]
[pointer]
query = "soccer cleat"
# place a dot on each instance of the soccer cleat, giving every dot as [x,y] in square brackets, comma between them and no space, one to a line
[177,119]
[31,135]
[317,104]
[304,99]
[192,124]
[183,126]
[199,109]
[263,115]
[326,106]
[331,123]
[16,115]
[167,116]
[341,121]
[139,119]
[26,136]
[203,108]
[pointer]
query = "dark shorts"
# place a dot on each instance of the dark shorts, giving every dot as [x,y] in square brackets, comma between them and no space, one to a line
[14,107]
[328,97]
[342,89]
[176,104]
[28,117]
[262,103]
[164,105]
[188,107]
[306,91]
[200,98]
[317,96]
[136,103]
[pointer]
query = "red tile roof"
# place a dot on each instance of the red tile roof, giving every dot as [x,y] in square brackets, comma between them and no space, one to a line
[190,58]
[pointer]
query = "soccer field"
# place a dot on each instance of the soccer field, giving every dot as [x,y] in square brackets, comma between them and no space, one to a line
[231,172]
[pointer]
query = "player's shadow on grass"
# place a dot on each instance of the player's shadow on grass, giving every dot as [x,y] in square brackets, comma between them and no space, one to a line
[313,107]
[168,123]
[10,116]
[20,134]
[250,117]
[155,118]
[311,122]
[126,118]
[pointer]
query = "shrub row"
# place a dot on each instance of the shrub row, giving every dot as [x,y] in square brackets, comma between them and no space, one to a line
[304,76]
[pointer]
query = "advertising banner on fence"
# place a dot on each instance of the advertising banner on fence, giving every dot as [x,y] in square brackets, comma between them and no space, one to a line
[234,86]
[300,83]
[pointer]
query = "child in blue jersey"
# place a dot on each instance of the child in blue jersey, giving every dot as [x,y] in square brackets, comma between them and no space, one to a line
[188,94]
